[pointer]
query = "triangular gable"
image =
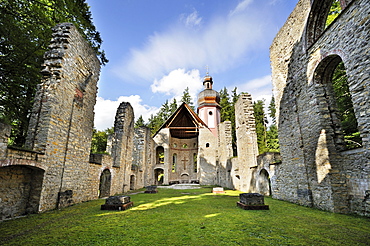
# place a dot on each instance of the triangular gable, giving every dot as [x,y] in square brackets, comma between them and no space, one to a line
[183,123]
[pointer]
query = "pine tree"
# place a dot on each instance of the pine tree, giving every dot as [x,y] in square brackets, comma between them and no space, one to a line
[173,106]
[140,122]
[261,121]
[226,107]
[186,98]
[272,141]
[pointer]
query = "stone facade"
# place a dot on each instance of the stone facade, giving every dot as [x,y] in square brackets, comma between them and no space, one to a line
[316,170]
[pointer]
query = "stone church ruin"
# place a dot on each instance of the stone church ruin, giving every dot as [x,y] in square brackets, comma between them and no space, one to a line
[58,170]
[317,170]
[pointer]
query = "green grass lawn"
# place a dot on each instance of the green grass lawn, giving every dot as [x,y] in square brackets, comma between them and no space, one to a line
[187,217]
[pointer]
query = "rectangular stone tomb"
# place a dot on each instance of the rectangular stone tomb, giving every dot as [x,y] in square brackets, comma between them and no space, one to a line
[151,189]
[117,203]
[218,190]
[252,201]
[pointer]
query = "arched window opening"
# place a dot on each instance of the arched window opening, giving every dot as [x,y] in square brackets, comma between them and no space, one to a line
[334,92]
[207,145]
[174,162]
[160,155]
[195,166]
[346,112]
[323,13]
[334,11]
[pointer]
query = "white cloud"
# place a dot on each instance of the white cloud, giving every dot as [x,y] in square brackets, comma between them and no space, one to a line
[176,82]
[220,43]
[241,7]
[191,20]
[105,110]
[260,89]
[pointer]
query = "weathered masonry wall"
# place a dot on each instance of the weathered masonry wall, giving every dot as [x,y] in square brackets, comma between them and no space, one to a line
[62,117]
[142,169]
[225,153]
[316,170]
[53,172]
[246,142]
[122,144]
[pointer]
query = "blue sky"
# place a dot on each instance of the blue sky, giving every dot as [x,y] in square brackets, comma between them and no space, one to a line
[157,48]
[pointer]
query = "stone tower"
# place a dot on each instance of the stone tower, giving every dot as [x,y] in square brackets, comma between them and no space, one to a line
[208,105]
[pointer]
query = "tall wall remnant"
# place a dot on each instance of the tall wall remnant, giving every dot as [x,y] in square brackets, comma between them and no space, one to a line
[316,168]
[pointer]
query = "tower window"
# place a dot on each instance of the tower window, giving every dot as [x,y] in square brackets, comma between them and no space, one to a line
[210,113]
[207,145]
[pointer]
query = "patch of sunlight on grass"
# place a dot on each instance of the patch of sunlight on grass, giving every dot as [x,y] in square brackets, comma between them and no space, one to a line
[211,215]
[166,201]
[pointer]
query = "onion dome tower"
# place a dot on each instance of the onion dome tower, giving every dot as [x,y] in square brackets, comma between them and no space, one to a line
[208,105]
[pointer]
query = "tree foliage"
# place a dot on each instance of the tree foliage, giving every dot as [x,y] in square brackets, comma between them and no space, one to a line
[186,98]
[227,103]
[166,110]
[344,103]
[261,121]
[334,11]
[25,32]
[140,122]
[99,140]
[272,140]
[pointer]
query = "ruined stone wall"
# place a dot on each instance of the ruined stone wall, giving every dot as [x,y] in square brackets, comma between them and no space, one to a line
[316,170]
[225,153]
[162,139]
[143,158]
[62,116]
[264,172]
[207,157]
[246,142]
[122,146]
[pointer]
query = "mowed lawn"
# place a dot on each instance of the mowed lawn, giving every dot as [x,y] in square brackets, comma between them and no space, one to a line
[186,217]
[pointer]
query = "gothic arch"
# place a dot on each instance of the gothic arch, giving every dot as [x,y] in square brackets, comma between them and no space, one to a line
[317,19]
[105,183]
[23,185]
[264,184]
[328,110]
[159,155]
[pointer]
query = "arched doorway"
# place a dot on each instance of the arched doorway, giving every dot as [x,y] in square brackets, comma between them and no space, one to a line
[185,178]
[132,182]
[105,183]
[159,176]
[20,188]
[264,185]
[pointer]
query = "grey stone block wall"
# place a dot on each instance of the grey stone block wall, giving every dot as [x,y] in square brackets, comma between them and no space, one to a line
[316,170]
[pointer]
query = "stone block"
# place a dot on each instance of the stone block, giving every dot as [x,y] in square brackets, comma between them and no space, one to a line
[218,190]
[151,189]
[117,200]
[252,199]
